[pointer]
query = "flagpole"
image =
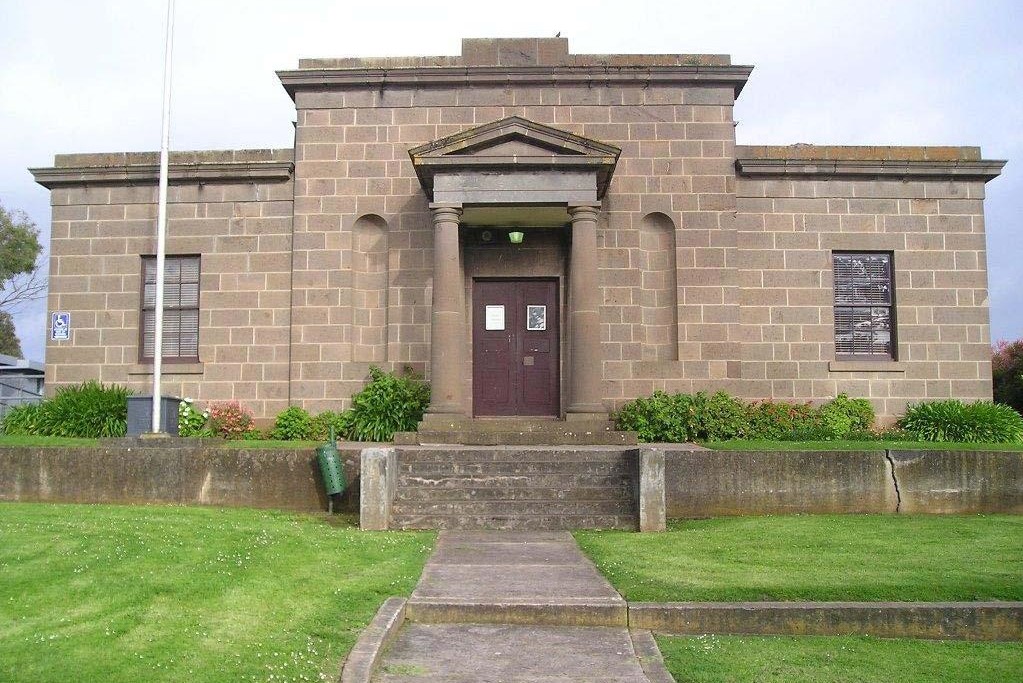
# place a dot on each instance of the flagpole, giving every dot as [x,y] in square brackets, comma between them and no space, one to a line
[161,223]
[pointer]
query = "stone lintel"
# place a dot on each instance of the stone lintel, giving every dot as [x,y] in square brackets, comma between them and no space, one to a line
[144,168]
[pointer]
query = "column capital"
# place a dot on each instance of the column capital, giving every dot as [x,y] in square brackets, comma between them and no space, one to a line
[583,211]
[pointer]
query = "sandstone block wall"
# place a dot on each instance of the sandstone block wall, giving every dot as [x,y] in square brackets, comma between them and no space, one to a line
[676,173]
[242,229]
[789,228]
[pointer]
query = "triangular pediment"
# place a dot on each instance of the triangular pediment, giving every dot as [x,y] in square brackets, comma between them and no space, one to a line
[522,134]
[514,144]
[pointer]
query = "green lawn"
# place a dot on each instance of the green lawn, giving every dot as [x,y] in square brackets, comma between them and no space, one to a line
[106,593]
[739,445]
[847,659]
[8,440]
[840,557]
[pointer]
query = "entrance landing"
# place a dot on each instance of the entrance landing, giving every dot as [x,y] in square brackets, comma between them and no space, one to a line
[516,431]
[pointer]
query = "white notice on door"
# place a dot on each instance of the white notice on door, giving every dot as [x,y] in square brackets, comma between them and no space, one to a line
[495,318]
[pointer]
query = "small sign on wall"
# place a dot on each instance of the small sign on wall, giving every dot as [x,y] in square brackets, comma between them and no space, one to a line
[60,326]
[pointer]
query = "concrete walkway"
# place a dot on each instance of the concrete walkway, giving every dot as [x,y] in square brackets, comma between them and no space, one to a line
[517,607]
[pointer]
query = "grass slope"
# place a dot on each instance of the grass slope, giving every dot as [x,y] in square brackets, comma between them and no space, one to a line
[847,659]
[842,557]
[104,593]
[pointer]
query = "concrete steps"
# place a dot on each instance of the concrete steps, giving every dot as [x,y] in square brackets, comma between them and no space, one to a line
[534,488]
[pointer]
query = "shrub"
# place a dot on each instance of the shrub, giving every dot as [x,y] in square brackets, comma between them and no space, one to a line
[192,422]
[230,420]
[293,424]
[388,404]
[1007,374]
[660,418]
[20,420]
[954,421]
[722,417]
[321,424]
[697,417]
[859,411]
[772,421]
[88,411]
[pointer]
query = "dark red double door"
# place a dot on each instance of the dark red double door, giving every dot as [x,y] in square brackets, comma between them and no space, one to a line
[515,347]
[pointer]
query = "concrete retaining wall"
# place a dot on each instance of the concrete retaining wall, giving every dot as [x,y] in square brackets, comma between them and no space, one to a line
[205,475]
[712,483]
[697,483]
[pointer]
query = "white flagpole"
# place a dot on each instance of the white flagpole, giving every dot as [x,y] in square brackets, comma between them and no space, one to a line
[161,222]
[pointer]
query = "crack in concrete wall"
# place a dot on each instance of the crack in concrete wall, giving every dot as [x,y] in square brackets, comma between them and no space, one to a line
[895,481]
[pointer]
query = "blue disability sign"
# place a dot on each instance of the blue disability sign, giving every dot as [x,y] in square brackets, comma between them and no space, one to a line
[60,326]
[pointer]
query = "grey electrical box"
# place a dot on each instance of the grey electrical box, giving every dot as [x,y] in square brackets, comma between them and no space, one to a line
[140,415]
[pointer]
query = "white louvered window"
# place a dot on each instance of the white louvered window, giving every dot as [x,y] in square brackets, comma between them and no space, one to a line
[864,306]
[180,309]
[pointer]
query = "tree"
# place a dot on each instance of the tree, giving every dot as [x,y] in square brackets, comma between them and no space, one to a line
[1007,373]
[20,279]
[9,343]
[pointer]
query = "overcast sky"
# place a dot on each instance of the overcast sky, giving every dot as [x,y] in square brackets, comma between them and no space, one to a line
[86,76]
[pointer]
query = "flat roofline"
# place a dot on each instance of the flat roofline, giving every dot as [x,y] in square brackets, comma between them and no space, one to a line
[269,165]
[734,77]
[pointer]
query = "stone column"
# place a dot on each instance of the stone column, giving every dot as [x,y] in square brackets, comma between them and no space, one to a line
[586,380]
[447,320]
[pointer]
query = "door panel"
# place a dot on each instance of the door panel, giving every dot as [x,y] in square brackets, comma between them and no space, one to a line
[515,347]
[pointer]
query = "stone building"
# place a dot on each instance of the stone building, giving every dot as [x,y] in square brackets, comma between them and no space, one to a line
[540,233]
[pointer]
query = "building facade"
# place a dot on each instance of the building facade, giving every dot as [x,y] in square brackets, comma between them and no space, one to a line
[539,233]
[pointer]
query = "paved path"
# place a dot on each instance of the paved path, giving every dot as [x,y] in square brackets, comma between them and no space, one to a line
[517,607]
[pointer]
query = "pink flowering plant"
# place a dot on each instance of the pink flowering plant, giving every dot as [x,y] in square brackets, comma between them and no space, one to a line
[230,420]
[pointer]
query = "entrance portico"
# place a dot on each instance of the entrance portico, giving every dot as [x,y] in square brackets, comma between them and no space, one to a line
[515,173]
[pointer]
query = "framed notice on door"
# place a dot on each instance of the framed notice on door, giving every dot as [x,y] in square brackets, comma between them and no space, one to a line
[536,318]
[495,318]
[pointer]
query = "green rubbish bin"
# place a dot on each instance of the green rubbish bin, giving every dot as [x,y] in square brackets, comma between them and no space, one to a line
[331,470]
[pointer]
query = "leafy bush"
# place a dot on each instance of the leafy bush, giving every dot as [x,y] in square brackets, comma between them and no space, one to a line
[388,404]
[771,420]
[722,417]
[955,421]
[230,420]
[697,417]
[321,424]
[88,411]
[859,411]
[1007,373]
[20,420]
[192,422]
[293,424]
[670,418]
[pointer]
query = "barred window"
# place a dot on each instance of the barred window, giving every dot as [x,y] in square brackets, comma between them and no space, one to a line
[864,306]
[180,309]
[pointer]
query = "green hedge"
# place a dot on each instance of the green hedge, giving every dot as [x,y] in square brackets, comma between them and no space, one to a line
[676,418]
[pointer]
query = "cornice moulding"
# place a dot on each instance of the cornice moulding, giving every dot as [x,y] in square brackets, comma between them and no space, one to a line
[245,171]
[986,169]
[303,79]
